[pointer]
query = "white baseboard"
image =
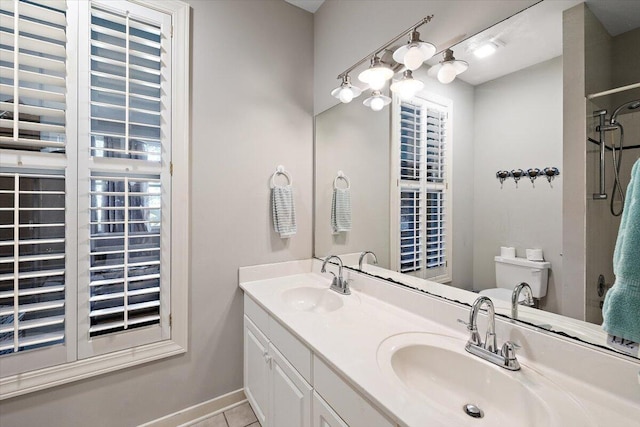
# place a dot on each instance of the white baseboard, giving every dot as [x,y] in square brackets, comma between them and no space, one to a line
[199,412]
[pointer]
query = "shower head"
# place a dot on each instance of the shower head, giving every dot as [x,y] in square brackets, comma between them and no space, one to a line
[631,105]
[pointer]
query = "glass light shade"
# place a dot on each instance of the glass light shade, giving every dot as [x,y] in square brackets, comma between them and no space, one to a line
[346,91]
[447,73]
[407,87]
[376,75]
[377,101]
[414,54]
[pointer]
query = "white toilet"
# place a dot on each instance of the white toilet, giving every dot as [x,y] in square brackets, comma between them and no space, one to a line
[510,272]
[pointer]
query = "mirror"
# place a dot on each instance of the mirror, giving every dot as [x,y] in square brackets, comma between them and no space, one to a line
[437,216]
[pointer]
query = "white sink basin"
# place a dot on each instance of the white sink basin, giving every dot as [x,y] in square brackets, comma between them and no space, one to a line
[307,298]
[436,369]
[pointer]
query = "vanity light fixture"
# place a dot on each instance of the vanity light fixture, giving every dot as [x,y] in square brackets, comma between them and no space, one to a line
[377,101]
[407,87]
[415,52]
[346,91]
[449,68]
[377,74]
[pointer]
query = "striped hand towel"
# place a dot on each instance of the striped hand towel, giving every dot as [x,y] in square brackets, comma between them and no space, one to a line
[284,213]
[341,210]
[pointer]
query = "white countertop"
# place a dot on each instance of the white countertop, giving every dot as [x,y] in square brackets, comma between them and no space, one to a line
[348,339]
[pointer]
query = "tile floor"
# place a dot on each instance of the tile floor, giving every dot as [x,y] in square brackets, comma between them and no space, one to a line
[239,416]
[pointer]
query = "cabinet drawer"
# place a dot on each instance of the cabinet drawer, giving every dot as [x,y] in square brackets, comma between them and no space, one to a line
[257,314]
[291,348]
[352,407]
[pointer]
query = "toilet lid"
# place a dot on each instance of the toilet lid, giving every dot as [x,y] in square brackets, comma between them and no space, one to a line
[498,293]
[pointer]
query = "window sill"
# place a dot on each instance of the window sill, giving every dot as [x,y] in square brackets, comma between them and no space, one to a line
[41,379]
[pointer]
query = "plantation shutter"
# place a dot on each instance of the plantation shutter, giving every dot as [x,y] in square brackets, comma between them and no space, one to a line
[33,189]
[436,121]
[411,142]
[32,260]
[422,189]
[411,230]
[126,188]
[32,74]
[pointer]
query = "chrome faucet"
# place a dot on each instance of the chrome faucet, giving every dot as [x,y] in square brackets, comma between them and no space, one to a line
[515,298]
[363,255]
[338,284]
[506,357]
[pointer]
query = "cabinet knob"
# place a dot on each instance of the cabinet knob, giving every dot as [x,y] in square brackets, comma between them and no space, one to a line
[267,358]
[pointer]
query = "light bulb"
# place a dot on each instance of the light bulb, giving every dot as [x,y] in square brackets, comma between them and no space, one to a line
[414,58]
[407,88]
[377,104]
[346,95]
[447,73]
[377,81]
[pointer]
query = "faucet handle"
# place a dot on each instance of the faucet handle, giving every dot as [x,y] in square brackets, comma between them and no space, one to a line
[509,350]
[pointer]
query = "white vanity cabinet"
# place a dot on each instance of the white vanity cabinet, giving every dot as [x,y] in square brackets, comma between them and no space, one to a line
[290,394]
[279,395]
[323,415]
[256,370]
[278,371]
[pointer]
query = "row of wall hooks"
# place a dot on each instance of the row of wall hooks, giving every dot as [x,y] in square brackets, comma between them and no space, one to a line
[533,173]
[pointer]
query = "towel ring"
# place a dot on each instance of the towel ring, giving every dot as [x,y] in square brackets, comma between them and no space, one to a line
[280,171]
[342,176]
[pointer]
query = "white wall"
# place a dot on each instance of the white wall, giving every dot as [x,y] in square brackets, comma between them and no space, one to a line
[346,31]
[240,133]
[518,125]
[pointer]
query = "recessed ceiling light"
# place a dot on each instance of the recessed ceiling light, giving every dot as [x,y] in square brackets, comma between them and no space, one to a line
[485,49]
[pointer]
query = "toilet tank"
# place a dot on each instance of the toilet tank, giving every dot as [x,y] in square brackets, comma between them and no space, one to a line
[510,272]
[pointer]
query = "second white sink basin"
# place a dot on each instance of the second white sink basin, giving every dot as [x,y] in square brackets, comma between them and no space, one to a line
[437,369]
[307,298]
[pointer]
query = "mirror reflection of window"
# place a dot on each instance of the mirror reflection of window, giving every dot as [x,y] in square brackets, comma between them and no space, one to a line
[420,187]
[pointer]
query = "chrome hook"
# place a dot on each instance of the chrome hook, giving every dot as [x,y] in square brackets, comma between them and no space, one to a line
[502,176]
[517,174]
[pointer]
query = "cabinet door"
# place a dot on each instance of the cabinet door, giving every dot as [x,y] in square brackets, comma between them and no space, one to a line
[256,370]
[323,415]
[290,394]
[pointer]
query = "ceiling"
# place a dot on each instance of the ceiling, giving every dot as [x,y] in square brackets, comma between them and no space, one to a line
[308,5]
[535,36]
[526,38]
[617,16]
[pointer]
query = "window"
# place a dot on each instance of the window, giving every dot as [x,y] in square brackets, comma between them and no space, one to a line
[93,145]
[421,192]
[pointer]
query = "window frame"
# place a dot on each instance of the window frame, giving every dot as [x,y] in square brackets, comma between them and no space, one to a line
[397,185]
[77,369]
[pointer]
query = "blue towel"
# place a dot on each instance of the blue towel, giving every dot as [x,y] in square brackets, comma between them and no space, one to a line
[284,212]
[341,210]
[621,310]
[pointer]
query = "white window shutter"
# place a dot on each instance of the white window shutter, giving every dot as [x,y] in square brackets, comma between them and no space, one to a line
[423,189]
[32,260]
[32,74]
[124,179]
